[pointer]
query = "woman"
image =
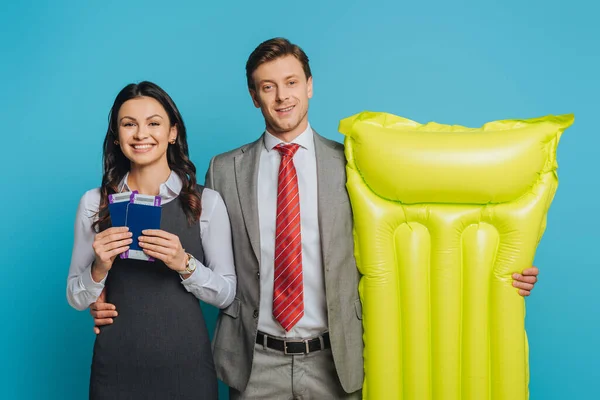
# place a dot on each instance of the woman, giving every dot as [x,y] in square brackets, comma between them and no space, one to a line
[158,347]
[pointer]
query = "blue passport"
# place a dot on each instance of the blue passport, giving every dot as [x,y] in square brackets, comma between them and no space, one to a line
[142,212]
[117,207]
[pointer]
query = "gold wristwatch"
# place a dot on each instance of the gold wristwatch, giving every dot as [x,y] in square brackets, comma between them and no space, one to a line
[190,265]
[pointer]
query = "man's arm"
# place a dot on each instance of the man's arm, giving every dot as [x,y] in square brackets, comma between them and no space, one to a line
[209,180]
[102,312]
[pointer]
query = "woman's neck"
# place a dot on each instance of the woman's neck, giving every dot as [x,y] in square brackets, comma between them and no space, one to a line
[147,179]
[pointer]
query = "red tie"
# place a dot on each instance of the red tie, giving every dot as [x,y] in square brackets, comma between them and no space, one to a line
[288,295]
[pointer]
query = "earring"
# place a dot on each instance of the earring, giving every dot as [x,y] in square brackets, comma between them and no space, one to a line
[116,142]
[172,141]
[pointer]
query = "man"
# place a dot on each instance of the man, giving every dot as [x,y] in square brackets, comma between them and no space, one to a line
[249,346]
[294,330]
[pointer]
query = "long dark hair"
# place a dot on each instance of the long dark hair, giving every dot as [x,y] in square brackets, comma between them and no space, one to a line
[116,165]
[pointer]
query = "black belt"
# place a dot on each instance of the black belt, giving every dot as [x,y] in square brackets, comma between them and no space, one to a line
[295,346]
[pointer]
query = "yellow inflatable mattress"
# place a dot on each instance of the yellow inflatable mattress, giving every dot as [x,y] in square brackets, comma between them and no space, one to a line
[443,215]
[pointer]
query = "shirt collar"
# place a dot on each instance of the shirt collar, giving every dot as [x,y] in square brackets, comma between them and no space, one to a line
[170,188]
[305,139]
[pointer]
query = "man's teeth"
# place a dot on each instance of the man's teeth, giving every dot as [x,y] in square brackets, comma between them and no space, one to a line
[285,109]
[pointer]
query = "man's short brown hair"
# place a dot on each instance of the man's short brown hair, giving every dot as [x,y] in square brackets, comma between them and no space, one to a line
[272,49]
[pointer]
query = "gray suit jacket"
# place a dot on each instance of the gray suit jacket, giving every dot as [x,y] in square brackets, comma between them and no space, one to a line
[234,175]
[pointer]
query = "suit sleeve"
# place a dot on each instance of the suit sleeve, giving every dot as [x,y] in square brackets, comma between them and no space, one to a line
[209,181]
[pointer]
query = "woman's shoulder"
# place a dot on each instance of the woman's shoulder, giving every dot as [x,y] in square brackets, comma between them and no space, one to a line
[90,202]
[211,201]
[210,198]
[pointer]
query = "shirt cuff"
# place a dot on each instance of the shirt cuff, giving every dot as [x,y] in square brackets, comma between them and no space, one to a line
[198,278]
[88,283]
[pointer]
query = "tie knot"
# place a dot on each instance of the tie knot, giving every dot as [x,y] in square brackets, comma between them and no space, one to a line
[287,150]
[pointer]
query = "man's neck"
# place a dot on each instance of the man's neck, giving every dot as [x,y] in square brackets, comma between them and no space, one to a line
[289,136]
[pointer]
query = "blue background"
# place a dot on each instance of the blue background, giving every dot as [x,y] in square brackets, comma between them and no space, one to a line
[462,62]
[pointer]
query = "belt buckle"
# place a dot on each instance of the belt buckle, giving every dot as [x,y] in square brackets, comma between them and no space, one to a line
[285,348]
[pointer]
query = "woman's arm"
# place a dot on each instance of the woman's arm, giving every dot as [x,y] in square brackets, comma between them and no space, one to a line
[82,290]
[214,282]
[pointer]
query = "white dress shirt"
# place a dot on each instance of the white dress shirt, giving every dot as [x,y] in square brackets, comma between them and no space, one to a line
[213,282]
[314,321]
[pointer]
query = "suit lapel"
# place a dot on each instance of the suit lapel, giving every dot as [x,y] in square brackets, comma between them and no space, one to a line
[246,177]
[330,180]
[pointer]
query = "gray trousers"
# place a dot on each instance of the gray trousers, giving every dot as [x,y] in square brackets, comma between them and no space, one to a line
[276,376]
